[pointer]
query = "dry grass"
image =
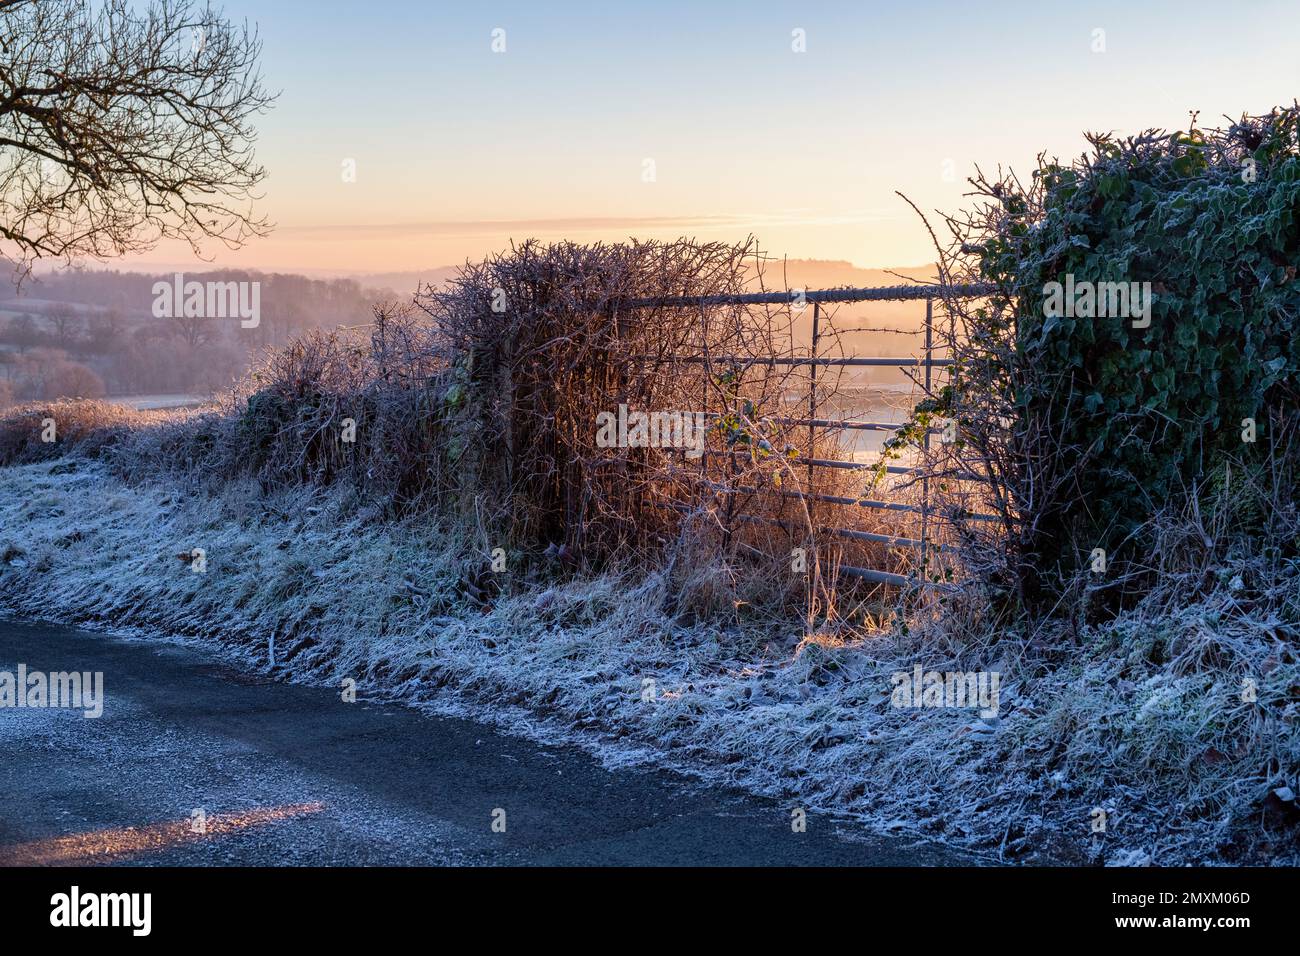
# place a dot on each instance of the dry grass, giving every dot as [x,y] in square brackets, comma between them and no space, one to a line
[40,431]
[1142,716]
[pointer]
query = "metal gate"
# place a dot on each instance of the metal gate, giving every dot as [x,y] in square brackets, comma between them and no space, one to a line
[924,366]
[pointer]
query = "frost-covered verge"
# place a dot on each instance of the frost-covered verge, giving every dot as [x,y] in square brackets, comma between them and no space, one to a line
[1144,719]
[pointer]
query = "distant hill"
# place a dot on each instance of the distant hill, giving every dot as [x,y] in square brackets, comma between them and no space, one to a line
[404,284]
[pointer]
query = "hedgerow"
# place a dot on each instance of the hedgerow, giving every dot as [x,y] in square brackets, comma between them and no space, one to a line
[1093,423]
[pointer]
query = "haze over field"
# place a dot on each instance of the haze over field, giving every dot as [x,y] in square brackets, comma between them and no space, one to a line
[92,332]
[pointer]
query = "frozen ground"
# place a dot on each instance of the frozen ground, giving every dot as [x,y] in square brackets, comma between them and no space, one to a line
[303,587]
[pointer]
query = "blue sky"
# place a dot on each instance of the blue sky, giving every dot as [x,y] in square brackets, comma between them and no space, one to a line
[804,149]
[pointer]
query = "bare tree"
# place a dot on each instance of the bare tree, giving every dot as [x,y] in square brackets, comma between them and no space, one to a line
[105,332]
[22,332]
[66,321]
[193,330]
[120,127]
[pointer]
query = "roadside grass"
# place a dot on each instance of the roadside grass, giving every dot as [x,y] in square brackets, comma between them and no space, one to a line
[1143,717]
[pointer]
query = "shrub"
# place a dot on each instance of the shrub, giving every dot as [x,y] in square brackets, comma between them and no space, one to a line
[1109,421]
[72,380]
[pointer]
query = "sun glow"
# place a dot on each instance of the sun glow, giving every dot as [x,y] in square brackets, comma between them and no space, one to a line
[120,843]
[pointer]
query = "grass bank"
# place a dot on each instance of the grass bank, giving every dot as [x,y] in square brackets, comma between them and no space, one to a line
[1143,718]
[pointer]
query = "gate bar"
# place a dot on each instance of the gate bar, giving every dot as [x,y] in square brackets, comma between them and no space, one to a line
[845,294]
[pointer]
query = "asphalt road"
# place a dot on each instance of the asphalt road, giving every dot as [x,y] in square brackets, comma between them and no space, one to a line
[193,763]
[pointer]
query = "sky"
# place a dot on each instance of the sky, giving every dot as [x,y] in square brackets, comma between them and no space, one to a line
[703,119]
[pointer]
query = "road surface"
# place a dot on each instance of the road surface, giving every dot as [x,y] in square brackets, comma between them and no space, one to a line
[193,763]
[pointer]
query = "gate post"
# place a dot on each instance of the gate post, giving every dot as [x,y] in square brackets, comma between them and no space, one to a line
[704,392]
[812,407]
[925,474]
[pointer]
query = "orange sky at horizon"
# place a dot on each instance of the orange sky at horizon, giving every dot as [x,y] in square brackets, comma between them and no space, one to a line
[412,246]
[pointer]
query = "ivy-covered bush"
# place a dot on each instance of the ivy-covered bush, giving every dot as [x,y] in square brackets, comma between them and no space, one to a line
[1135,409]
